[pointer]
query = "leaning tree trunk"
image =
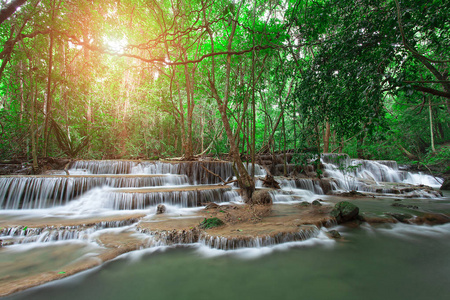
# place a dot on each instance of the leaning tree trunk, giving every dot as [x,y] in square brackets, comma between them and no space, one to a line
[245,181]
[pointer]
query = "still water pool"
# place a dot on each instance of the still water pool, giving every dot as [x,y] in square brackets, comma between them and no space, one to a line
[394,262]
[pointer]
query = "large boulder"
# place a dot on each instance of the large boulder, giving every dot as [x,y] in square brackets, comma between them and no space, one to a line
[261,198]
[345,211]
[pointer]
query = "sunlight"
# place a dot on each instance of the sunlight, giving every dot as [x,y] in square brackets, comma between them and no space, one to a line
[116,45]
[72,45]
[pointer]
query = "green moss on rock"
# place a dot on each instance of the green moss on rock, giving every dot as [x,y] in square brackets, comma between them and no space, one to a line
[345,211]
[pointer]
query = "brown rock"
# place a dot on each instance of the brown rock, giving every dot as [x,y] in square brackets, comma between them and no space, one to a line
[261,197]
[160,209]
[212,205]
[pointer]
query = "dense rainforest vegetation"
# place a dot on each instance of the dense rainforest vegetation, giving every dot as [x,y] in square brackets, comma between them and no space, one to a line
[158,78]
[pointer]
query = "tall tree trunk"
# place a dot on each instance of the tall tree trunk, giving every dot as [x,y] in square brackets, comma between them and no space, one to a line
[48,102]
[431,125]
[253,98]
[245,181]
[34,135]
[86,90]
[284,148]
[326,138]
[11,8]
[190,103]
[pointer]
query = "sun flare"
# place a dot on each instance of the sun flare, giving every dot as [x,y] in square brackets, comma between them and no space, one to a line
[116,45]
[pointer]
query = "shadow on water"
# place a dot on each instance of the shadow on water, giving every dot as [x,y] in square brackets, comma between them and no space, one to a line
[399,262]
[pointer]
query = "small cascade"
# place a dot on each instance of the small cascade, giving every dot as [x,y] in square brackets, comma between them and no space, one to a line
[421,178]
[230,242]
[198,172]
[352,174]
[302,184]
[103,166]
[37,192]
[259,171]
[123,199]
[21,235]
[283,196]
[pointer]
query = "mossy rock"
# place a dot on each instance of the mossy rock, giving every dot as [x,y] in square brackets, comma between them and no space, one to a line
[334,234]
[345,211]
[400,217]
[316,203]
[211,223]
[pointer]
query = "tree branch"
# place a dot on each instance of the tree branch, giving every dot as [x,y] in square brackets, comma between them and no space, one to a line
[10,9]
[432,91]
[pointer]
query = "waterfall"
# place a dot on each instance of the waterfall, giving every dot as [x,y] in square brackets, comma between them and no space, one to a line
[36,192]
[106,188]
[348,172]
[198,172]
[133,199]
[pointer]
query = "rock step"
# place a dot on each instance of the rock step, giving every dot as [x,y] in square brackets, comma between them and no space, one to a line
[173,189]
[233,240]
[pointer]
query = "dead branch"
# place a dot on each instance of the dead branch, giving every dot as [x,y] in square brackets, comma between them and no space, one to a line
[212,173]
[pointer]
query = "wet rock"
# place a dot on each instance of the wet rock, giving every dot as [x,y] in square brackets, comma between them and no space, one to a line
[371,219]
[212,205]
[446,185]
[325,184]
[351,194]
[316,203]
[405,206]
[227,207]
[432,219]
[334,234]
[270,182]
[160,209]
[304,204]
[211,223]
[400,217]
[261,197]
[345,211]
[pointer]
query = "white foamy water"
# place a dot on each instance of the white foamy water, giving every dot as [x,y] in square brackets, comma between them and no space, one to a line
[424,179]
[347,173]
[255,252]
[408,231]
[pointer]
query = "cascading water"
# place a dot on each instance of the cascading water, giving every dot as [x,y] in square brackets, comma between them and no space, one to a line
[350,174]
[35,192]
[106,202]
[99,189]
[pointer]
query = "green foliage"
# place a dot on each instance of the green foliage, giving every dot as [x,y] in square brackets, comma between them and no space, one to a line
[439,159]
[208,223]
[317,63]
[66,143]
